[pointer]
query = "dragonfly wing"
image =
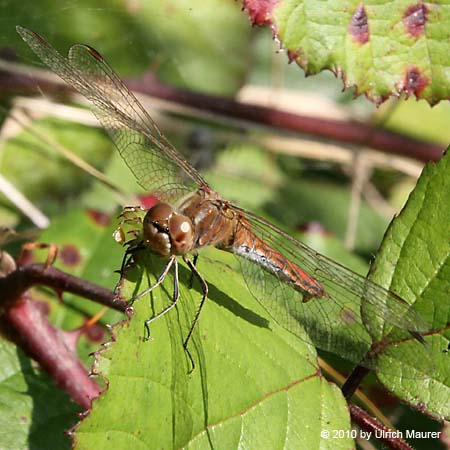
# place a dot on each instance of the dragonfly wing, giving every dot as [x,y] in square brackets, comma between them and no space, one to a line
[354,314]
[318,318]
[157,166]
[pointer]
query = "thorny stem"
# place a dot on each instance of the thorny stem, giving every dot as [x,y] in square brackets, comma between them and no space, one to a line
[350,132]
[24,322]
[20,280]
[30,329]
[367,422]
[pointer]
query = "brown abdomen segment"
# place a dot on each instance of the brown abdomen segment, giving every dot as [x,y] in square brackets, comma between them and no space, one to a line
[252,248]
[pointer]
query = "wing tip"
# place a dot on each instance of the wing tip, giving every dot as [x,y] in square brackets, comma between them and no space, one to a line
[25,33]
[94,53]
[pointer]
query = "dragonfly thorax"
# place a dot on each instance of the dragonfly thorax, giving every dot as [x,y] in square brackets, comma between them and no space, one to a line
[166,232]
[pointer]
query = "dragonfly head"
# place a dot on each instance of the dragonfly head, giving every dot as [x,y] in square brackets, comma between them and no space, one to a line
[166,232]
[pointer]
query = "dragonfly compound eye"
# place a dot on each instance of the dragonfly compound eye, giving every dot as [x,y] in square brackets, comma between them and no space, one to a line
[158,213]
[181,233]
[156,229]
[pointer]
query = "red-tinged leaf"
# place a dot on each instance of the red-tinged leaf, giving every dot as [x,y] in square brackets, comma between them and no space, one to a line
[382,50]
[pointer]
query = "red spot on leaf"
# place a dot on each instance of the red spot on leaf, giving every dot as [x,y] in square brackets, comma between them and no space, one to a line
[99,217]
[359,27]
[348,316]
[421,407]
[414,19]
[414,82]
[95,333]
[260,11]
[70,255]
[380,99]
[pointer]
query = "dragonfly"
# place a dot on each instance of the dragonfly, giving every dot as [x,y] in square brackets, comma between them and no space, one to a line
[302,290]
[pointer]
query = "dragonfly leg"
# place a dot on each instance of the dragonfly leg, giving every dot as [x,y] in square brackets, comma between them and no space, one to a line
[172,260]
[191,280]
[30,246]
[128,216]
[176,293]
[204,286]
[126,260]
[120,236]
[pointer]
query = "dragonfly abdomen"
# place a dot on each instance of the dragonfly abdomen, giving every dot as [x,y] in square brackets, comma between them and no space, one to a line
[254,249]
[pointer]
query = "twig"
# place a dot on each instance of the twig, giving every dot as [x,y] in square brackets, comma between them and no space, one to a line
[366,422]
[302,147]
[342,131]
[13,285]
[360,176]
[31,330]
[22,203]
[12,78]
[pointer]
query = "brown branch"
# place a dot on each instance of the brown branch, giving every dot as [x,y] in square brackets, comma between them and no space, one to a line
[350,132]
[368,423]
[29,328]
[13,285]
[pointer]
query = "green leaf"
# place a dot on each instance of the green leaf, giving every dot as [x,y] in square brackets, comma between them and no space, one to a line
[34,413]
[382,49]
[414,262]
[250,372]
[252,384]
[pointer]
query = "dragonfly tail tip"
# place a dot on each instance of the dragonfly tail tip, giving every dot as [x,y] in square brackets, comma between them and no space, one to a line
[416,335]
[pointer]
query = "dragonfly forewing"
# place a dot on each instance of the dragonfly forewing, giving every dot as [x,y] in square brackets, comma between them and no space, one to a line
[157,166]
